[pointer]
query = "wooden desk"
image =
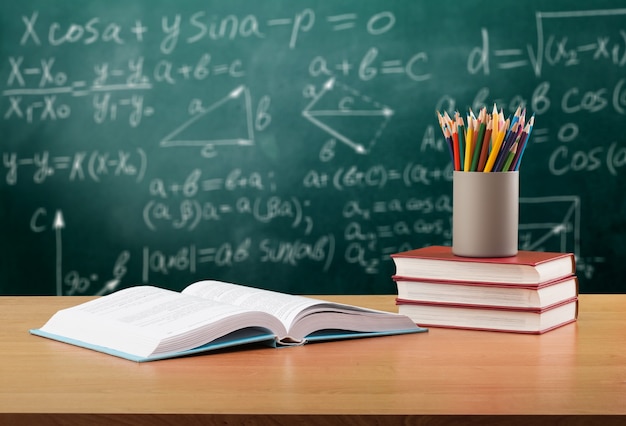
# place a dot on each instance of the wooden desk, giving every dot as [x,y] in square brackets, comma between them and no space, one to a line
[577,370]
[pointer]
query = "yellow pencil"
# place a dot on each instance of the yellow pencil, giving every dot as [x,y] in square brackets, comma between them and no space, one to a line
[468,144]
[496,148]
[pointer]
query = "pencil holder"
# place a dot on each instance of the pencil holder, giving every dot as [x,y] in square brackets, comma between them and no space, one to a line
[485,214]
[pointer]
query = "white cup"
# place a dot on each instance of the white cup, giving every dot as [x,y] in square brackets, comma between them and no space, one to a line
[485,214]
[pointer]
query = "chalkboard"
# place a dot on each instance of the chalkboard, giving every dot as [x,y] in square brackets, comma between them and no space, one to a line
[293,145]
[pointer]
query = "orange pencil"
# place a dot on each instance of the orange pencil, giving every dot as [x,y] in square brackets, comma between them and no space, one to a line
[495,117]
[481,126]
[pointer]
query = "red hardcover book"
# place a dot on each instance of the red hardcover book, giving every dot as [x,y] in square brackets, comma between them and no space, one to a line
[489,318]
[489,294]
[527,267]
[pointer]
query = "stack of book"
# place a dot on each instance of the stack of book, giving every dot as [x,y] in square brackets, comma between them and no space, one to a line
[532,292]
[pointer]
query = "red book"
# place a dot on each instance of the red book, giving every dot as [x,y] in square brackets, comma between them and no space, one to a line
[503,295]
[527,267]
[515,320]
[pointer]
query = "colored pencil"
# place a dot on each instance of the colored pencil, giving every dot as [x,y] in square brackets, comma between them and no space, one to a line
[489,142]
[509,158]
[495,149]
[485,149]
[455,147]
[521,150]
[478,144]
[495,118]
[505,147]
[469,140]
[461,132]
[446,130]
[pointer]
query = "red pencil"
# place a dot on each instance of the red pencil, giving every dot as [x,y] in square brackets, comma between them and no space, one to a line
[455,144]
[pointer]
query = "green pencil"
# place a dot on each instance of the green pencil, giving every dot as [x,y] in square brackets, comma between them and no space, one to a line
[509,158]
[478,146]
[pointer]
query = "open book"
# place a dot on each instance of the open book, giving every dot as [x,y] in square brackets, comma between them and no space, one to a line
[147,323]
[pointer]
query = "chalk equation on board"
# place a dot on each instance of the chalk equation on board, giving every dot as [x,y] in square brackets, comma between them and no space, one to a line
[365,248]
[96,166]
[292,144]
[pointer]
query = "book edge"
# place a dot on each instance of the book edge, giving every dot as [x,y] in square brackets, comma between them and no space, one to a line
[400,301]
[502,330]
[424,253]
[521,285]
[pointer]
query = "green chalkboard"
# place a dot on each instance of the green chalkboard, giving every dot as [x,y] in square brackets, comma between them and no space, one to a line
[293,145]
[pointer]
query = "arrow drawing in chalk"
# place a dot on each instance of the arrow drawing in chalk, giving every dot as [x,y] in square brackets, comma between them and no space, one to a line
[58,225]
[225,122]
[354,119]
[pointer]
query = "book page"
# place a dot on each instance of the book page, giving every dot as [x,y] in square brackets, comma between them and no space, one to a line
[285,307]
[144,320]
[158,311]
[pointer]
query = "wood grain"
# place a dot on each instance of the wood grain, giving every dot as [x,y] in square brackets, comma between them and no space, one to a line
[576,370]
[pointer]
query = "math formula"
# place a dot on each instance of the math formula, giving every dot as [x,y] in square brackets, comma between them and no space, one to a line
[291,146]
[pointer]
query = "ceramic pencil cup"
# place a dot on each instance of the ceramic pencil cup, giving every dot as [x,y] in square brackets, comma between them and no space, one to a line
[485,214]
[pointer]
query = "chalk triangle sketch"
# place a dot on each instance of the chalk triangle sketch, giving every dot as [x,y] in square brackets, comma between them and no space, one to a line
[225,122]
[559,228]
[352,118]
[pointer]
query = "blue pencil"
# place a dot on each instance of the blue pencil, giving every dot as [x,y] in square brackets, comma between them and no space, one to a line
[531,123]
[506,147]
[516,116]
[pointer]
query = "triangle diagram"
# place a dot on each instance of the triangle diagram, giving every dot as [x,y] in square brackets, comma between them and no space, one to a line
[225,122]
[347,115]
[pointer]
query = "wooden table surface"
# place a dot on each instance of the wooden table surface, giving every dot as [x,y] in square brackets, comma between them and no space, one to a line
[576,370]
